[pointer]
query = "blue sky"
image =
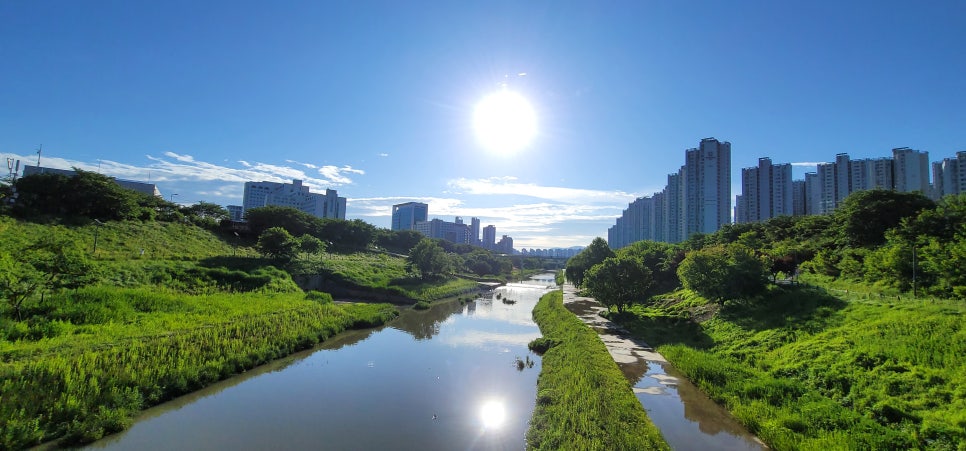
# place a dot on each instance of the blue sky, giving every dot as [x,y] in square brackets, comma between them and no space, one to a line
[375,99]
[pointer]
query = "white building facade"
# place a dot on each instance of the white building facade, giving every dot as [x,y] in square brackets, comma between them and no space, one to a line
[295,195]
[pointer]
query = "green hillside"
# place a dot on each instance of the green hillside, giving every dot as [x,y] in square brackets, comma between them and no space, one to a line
[89,337]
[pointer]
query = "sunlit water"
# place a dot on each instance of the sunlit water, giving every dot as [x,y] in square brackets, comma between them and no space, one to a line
[450,378]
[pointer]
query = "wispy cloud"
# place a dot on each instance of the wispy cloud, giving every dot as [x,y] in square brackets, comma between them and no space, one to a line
[174,167]
[510,186]
[384,155]
[807,163]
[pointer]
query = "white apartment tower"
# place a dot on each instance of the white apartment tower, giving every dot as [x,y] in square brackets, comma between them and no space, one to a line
[673,232]
[766,192]
[946,177]
[707,187]
[489,237]
[911,170]
[475,231]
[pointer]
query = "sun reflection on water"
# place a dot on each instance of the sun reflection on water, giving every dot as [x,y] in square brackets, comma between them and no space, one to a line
[493,414]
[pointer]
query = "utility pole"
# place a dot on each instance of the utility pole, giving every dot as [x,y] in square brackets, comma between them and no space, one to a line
[39,150]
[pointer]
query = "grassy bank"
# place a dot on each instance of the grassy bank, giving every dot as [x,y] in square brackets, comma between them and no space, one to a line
[583,400]
[102,354]
[804,368]
[381,273]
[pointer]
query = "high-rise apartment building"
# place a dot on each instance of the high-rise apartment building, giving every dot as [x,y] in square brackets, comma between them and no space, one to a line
[961,164]
[505,245]
[945,177]
[475,231]
[798,198]
[673,211]
[766,192]
[813,194]
[843,179]
[455,232]
[643,219]
[911,170]
[489,237]
[406,215]
[828,194]
[295,195]
[707,187]
[871,173]
[696,199]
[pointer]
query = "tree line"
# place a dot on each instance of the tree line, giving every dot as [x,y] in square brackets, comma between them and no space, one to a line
[891,240]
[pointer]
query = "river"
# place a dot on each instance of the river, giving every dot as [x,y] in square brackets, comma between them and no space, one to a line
[454,377]
[451,377]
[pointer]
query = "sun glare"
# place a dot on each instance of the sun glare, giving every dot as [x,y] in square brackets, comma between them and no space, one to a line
[504,122]
[493,414]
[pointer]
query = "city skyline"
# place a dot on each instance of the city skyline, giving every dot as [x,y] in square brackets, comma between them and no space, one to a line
[199,99]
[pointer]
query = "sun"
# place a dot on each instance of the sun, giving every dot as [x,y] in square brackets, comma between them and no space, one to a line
[504,122]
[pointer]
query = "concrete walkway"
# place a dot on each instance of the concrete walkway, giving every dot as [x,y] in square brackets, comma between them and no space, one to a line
[622,347]
[687,418]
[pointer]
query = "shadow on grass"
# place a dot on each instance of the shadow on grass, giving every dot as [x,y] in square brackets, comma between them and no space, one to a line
[801,307]
[662,330]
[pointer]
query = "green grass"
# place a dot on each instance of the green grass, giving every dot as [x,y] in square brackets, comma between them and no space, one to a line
[107,353]
[126,240]
[804,368]
[382,273]
[583,400]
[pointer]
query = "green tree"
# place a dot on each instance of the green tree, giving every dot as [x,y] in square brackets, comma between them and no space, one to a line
[205,214]
[310,244]
[18,282]
[597,252]
[295,221]
[52,263]
[347,235]
[428,258]
[662,259]
[865,216]
[619,281]
[278,243]
[722,273]
[397,240]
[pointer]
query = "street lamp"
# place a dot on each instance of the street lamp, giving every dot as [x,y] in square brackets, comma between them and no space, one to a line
[171,197]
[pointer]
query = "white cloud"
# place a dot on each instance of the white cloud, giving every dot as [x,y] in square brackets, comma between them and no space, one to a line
[335,174]
[384,155]
[174,168]
[808,163]
[509,186]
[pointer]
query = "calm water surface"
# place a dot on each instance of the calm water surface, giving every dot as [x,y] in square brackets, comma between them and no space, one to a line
[449,378]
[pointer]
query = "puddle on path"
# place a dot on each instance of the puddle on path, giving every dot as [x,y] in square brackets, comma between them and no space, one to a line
[687,418]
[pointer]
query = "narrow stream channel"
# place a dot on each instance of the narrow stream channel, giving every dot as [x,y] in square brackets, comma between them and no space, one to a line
[451,377]
[687,418]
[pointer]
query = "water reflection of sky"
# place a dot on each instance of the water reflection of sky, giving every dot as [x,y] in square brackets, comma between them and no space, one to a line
[427,382]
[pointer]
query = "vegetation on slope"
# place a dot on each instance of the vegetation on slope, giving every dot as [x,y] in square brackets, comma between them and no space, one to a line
[101,354]
[807,370]
[855,362]
[583,399]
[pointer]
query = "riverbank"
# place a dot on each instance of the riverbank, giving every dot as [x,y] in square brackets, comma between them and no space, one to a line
[583,399]
[129,349]
[804,368]
[686,417]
